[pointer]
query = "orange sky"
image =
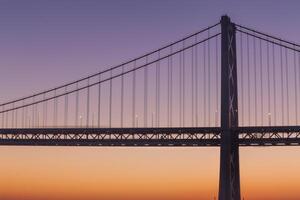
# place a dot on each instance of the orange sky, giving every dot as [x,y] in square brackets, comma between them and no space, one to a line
[41,38]
[63,173]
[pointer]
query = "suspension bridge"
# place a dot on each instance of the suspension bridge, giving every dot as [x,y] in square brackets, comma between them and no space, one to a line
[227,85]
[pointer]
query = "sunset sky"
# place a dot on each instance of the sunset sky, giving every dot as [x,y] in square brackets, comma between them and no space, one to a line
[47,43]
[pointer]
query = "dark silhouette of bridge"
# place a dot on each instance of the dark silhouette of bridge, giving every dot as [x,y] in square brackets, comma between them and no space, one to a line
[227,85]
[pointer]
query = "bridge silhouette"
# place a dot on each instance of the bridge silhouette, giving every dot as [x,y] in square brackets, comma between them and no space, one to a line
[227,85]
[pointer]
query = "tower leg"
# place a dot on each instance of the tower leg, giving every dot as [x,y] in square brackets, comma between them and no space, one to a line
[229,183]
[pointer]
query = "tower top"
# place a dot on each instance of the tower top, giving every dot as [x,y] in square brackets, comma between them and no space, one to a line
[225,19]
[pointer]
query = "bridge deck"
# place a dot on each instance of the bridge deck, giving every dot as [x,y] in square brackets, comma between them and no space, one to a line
[205,136]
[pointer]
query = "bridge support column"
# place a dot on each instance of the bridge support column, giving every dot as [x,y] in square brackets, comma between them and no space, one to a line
[229,183]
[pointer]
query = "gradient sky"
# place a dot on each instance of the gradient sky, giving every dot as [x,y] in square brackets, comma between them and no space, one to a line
[47,43]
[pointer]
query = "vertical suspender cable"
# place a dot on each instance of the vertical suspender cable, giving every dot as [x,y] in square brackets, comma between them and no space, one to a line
[76,105]
[6,120]
[2,118]
[158,91]
[23,115]
[204,83]
[298,71]
[29,123]
[217,83]
[37,115]
[66,108]
[180,88]
[146,94]
[26,117]
[274,83]
[44,97]
[171,86]
[13,115]
[268,75]
[287,86]
[110,99]
[196,79]
[168,93]
[261,84]
[93,117]
[16,119]
[88,103]
[46,112]
[242,78]
[99,102]
[122,97]
[5,125]
[281,78]
[183,85]
[32,112]
[192,79]
[133,95]
[255,79]
[55,109]
[208,69]
[248,74]
[296,88]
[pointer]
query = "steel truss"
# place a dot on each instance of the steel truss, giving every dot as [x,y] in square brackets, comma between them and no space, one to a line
[269,136]
[206,136]
[111,136]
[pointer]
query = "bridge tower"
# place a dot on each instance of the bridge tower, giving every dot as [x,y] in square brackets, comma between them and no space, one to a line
[229,183]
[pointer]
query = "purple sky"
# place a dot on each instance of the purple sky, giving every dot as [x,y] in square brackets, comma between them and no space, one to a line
[47,43]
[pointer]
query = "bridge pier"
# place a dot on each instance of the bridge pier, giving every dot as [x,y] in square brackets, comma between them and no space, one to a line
[229,183]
